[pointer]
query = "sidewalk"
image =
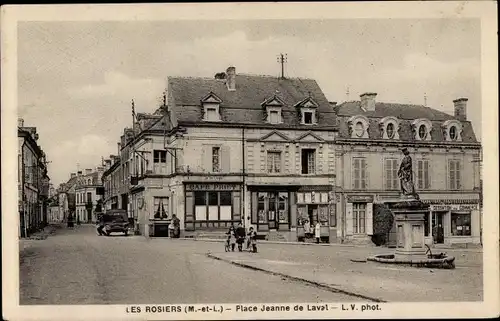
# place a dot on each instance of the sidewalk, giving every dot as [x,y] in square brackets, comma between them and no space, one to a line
[365,280]
[438,248]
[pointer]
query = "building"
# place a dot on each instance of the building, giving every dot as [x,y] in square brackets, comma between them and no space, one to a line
[445,155]
[235,148]
[33,181]
[87,194]
[67,197]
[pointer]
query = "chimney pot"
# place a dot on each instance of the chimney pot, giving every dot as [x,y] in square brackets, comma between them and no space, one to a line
[231,78]
[368,101]
[461,108]
[73,175]
[88,171]
[79,173]
[20,122]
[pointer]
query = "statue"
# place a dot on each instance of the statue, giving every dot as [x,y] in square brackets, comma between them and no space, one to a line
[405,175]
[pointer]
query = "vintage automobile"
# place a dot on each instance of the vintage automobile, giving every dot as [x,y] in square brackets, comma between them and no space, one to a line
[115,221]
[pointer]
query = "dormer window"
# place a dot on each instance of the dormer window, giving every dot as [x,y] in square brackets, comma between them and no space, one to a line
[452,130]
[307,110]
[272,107]
[390,127]
[422,129]
[358,126]
[211,111]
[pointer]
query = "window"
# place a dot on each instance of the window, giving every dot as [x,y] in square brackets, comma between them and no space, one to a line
[359,218]
[261,205]
[273,162]
[160,207]
[89,197]
[211,114]
[308,161]
[390,130]
[359,129]
[453,133]
[391,174]
[216,159]
[460,224]
[359,179]
[423,180]
[160,161]
[308,117]
[422,132]
[213,206]
[454,174]
[274,117]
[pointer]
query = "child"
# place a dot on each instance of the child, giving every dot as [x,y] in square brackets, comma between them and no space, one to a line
[317,232]
[252,236]
[231,238]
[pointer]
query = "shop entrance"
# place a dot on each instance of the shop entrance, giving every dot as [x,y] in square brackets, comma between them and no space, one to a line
[273,210]
[437,227]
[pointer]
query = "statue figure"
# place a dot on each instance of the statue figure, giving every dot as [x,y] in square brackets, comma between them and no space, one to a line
[405,175]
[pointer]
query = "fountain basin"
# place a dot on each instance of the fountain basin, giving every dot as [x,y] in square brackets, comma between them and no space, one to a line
[439,261]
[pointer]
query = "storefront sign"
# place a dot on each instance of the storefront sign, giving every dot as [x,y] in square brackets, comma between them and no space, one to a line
[359,199]
[454,207]
[212,187]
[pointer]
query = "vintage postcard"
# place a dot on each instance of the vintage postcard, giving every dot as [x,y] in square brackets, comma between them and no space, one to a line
[250,161]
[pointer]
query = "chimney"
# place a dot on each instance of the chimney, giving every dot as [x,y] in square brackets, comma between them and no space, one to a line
[368,101]
[73,175]
[20,122]
[231,78]
[119,147]
[100,169]
[79,173]
[461,108]
[88,171]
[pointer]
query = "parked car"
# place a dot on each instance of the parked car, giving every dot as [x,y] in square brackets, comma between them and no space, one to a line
[115,221]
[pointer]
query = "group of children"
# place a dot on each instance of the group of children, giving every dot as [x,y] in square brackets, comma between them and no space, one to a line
[238,235]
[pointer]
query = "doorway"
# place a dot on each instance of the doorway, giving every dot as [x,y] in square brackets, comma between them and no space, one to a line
[438,227]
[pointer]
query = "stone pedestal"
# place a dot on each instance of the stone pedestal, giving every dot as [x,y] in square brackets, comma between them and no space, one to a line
[409,216]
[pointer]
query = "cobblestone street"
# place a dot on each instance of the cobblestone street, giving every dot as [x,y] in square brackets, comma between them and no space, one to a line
[79,267]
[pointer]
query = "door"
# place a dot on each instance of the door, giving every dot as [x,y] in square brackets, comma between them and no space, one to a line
[437,227]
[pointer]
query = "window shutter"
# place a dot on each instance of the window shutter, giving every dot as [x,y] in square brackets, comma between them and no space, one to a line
[459,167]
[427,184]
[364,177]
[388,173]
[348,218]
[207,158]
[225,159]
[356,182]
[369,218]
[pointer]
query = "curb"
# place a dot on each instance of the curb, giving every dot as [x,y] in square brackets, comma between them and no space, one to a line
[327,244]
[297,279]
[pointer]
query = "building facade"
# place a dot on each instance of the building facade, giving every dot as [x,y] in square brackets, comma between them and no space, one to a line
[445,155]
[33,181]
[87,194]
[252,149]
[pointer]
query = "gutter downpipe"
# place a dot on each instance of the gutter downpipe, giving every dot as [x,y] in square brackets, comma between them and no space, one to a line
[243,175]
[22,189]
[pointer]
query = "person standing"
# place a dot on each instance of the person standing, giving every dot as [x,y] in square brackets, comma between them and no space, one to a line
[252,236]
[231,237]
[317,232]
[307,229]
[240,234]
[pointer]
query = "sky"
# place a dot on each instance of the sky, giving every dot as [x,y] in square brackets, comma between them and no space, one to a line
[76,80]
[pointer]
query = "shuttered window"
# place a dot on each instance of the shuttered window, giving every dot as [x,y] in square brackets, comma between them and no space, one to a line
[359,218]
[423,179]
[391,174]
[454,174]
[359,173]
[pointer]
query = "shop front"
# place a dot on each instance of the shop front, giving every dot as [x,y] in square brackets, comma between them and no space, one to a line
[212,206]
[453,224]
[314,206]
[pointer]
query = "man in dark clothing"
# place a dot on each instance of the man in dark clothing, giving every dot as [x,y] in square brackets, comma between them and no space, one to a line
[100,227]
[240,235]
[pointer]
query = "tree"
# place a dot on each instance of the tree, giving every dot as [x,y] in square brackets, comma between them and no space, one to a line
[383,220]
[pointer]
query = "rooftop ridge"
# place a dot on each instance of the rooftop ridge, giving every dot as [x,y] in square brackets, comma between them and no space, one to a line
[238,74]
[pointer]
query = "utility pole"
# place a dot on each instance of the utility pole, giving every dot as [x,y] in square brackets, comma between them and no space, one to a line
[425,99]
[347,93]
[133,118]
[282,59]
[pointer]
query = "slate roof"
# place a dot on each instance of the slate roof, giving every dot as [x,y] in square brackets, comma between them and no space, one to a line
[406,113]
[243,105]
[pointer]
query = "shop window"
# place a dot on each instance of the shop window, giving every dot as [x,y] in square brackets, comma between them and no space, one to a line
[213,206]
[261,207]
[423,180]
[359,218]
[160,161]
[359,173]
[391,174]
[160,206]
[216,159]
[308,161]
[273,162]
[454,174]
[460,224]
